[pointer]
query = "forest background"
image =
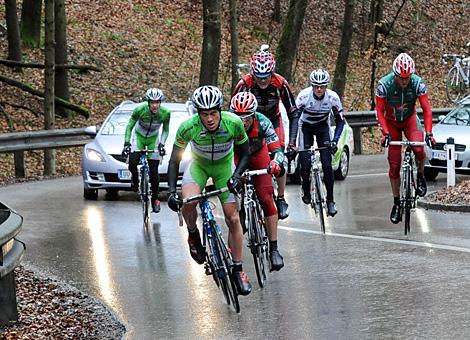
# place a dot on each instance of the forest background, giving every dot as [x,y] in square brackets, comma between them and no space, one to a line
[140,44]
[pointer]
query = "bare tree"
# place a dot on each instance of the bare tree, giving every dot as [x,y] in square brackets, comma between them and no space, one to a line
[61,74]
[234,40]
[13,31]
[31,23]
[339,81]
[49,109]
[287,48]
[210,43]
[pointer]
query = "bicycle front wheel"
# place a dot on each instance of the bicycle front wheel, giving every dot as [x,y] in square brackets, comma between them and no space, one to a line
[258,243]
[226,279]
[455,86]
[408,198]
[319,199]
[145,197]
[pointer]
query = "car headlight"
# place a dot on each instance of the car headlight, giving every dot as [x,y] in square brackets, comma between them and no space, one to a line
[187,154]
[94,155]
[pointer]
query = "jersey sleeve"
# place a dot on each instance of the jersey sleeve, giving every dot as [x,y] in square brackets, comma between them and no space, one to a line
[130,125]
[183,135]
[287,97]
[381,91]
[166,116]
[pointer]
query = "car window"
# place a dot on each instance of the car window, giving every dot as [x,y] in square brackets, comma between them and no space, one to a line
[460,116]
[117,123]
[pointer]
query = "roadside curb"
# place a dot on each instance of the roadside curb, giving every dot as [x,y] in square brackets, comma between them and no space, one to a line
[424,203]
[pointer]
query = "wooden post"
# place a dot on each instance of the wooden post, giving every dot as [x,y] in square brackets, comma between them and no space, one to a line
[357,135]
[9,310]
[19,164]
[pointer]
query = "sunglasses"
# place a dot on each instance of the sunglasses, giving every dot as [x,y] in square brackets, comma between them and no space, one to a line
[319,86]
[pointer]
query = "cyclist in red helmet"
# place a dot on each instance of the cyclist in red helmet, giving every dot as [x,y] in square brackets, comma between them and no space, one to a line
[396,98]
[269,89]
[263,140]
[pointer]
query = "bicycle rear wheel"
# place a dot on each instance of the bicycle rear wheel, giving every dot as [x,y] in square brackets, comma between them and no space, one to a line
[145,198]
[319,201]
[258,243]
[455,86]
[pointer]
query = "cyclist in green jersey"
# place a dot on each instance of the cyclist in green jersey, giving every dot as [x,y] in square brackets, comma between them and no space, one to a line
[212,134]
[145,122]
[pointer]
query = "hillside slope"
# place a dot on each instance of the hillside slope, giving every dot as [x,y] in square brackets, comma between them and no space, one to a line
[140,44]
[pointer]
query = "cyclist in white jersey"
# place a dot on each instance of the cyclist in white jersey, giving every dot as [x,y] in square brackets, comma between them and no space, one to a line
[317,103]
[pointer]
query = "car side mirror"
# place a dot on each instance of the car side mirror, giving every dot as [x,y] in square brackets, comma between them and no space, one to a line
[91,130]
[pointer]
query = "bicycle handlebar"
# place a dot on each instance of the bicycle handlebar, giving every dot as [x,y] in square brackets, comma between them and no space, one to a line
[204,195]
[255,172]
[407,143]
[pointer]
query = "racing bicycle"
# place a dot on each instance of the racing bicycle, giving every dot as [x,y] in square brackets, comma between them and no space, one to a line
[218,262]
[408,194]
[457,83]
[145,193]
[317,187]
[255,225]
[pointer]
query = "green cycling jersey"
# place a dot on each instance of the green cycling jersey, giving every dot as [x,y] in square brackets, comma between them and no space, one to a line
[211,147]
[147,124]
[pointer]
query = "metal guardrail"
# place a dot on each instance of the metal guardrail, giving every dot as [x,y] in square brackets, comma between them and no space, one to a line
[11,252]
[45,139]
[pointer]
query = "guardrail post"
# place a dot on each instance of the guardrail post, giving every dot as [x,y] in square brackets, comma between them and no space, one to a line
[357,135]
[19,164]
[450,150]
[9,309]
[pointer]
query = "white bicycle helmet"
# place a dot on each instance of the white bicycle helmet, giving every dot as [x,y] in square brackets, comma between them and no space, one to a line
[244,103]
[154,94]
[403,66]
[319,77]
[207,97]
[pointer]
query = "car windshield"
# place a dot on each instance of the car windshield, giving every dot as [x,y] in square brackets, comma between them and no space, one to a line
[460,116]
[117,123]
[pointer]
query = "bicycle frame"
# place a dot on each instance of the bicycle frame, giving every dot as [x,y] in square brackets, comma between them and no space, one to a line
[218,260]
[458,76]
[408,195]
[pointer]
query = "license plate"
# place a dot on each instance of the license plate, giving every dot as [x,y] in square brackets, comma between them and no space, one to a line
[441,155]
[124,174]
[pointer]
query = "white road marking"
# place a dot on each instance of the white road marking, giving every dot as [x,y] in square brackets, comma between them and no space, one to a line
[382,239]
[368,175]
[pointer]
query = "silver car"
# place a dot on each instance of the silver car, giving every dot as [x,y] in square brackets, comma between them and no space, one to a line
[455,124]
[103,166]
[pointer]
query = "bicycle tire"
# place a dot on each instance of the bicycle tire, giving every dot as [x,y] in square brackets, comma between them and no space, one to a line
[209,265]
[407,206]
[227,281]
[257,244]
[319,202]
[455,86]
[145,198]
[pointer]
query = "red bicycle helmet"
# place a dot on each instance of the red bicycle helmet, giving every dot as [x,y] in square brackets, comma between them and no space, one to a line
[403,66]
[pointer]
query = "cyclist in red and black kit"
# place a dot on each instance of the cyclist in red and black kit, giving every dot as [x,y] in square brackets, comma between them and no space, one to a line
[269,89]
[263,140]
[396,98]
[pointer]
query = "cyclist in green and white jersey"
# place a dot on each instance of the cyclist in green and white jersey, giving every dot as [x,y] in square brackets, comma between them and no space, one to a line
[212,134]
[143,130]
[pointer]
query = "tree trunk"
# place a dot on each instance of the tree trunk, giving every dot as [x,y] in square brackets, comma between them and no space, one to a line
[210,43]
[277,11]
[287,48]
[339,81]
[377,16]
[61,75]
[234,40]
[49,110]
[31,23]
[13,31]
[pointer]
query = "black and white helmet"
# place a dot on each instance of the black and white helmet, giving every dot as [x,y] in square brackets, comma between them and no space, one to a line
[154,94]
[207,97]
[319,77]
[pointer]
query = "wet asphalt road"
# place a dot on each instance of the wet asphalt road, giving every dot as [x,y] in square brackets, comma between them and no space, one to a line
[364,280]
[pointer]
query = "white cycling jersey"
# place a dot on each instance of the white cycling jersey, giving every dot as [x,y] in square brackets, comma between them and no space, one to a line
[315,111]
